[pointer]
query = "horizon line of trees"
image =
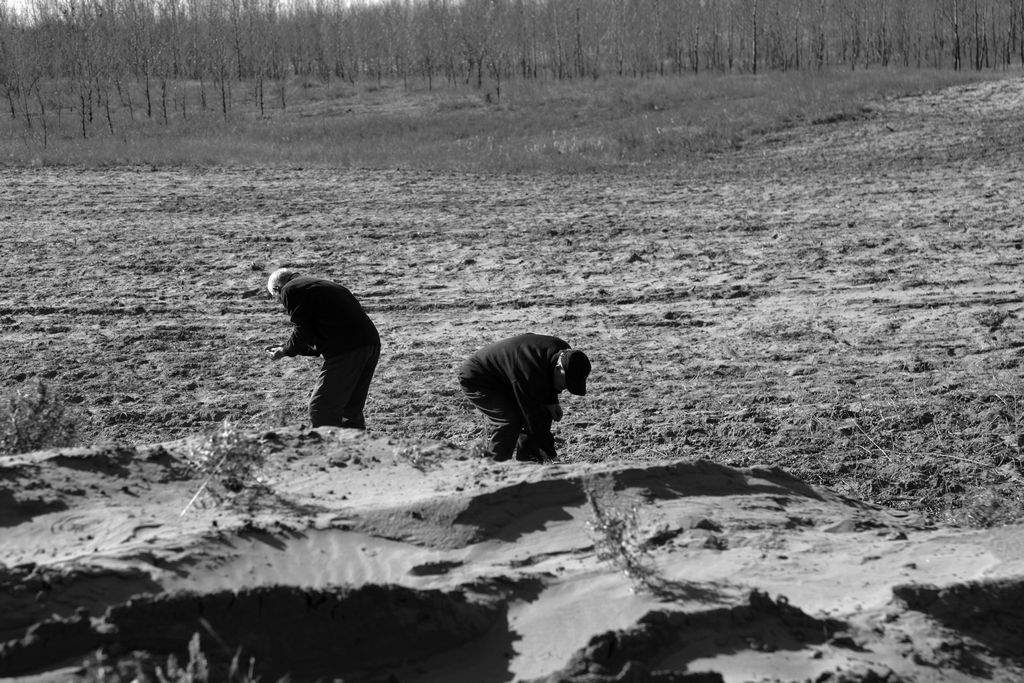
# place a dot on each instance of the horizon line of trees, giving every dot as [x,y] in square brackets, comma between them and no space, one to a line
[100,51]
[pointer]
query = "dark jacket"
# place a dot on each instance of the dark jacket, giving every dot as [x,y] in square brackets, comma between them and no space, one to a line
[522,368]
[326,319]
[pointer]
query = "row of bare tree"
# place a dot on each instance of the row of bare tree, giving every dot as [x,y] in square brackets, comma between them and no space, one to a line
[102,50]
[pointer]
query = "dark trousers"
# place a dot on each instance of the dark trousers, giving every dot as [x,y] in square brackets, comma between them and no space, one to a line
[504,432]
[341,388]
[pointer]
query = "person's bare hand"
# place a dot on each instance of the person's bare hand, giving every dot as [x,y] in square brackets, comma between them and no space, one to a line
[276,352]
[556,411]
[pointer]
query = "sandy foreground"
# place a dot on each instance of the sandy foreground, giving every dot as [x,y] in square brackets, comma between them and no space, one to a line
[365,559]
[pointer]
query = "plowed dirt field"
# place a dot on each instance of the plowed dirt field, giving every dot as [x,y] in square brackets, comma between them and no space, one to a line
[793,302]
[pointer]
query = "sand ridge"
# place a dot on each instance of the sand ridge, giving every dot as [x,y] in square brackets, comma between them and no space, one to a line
[492,567]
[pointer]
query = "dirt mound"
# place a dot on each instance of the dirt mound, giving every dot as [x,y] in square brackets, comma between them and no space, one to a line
[662,642]
[990,612]
[352,633]
[367,558]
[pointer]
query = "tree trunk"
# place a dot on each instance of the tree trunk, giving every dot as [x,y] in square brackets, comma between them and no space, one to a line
[163,100]
[82,114]
[977,37]
[106,110]
[579,62]
[755,41]
[956,36]
[23,96]
[125,96]
[42,116]
[224,95]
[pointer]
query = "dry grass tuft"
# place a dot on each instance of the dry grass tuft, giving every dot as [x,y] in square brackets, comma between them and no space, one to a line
[140,667]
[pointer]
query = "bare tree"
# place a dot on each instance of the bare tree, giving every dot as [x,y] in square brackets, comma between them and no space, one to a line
[110,60]
[429,38]
[953,13]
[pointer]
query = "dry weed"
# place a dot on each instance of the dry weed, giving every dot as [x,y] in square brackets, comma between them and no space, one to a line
[231,463]
[139,667]
[620,540]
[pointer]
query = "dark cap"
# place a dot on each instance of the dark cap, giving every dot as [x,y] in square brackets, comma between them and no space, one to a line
[576,366]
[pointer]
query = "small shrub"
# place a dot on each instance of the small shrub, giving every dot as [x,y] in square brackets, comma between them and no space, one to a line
[619,540]
[231,463]
[32,417]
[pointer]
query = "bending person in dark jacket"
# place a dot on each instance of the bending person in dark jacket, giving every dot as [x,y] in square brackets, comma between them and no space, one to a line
[515,384]
[328,321]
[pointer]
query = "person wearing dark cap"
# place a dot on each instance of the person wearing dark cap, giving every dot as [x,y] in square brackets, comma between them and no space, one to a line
[515,384]
[328,321]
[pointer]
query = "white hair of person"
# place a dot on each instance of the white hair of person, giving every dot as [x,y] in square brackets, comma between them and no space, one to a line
[278,279]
